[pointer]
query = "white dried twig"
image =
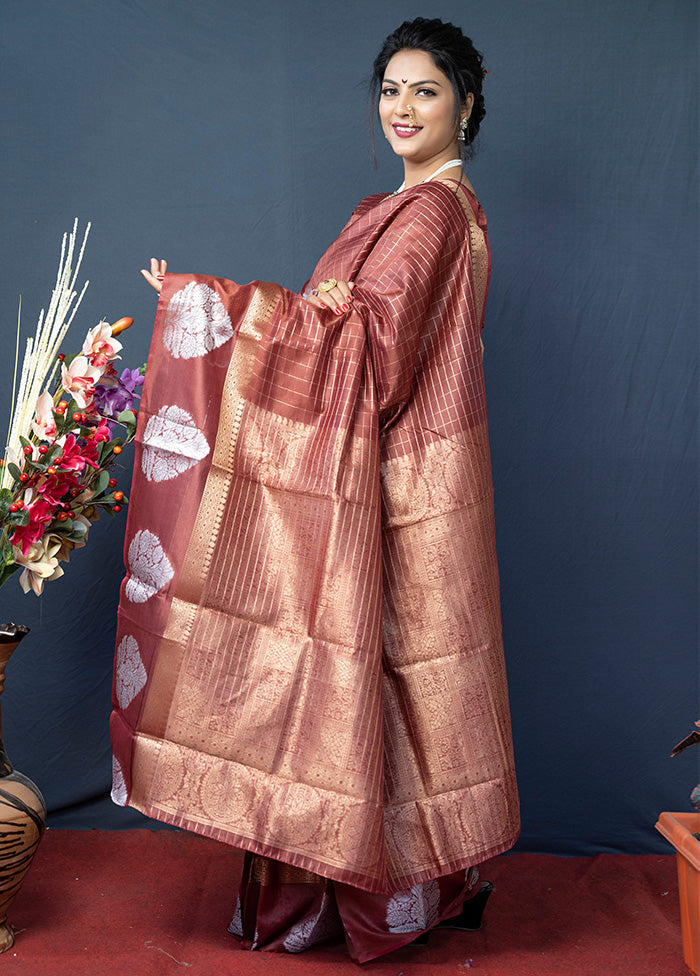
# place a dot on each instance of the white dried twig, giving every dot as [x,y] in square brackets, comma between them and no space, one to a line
[39,364]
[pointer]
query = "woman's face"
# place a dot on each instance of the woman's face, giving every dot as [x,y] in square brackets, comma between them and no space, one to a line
[428,133]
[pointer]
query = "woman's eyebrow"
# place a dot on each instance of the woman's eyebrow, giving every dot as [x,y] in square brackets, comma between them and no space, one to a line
[416,84]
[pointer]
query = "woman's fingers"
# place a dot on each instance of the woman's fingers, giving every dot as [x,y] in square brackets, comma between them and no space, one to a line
[338,298]
[158,268]
[155,276]
[152,281]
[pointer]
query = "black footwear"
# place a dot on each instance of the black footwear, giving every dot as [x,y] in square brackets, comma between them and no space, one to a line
[469,919]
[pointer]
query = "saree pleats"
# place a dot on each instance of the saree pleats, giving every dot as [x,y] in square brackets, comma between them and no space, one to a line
[284,909]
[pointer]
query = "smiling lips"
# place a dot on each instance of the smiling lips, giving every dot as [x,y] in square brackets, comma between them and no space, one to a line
[406,131]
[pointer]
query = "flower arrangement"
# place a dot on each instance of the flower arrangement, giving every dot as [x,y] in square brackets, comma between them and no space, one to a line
[71,419]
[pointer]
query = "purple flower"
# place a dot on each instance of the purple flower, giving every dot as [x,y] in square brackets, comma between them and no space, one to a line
[116,393]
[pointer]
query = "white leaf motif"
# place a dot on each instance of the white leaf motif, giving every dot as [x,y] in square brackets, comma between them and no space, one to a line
[119,794]
[130,673]
[236,926]
[149,567]
[196,322]
[415,909]
[314,927]
[172,444]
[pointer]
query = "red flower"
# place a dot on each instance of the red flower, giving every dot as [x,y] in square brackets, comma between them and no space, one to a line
[101,432]
[54,488]
[89,450]
[40,514]
[75,456]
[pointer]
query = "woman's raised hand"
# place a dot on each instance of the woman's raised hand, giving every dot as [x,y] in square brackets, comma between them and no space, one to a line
[333,294]
[155,276]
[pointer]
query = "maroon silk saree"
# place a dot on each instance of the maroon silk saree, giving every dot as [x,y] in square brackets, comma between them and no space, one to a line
[309,661]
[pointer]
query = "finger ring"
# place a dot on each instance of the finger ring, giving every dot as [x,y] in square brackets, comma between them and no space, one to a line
[328,284]
[314,292]
[160,277]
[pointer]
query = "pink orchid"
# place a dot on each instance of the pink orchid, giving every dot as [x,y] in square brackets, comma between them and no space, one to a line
[99,346]
[44,423]
[79,380]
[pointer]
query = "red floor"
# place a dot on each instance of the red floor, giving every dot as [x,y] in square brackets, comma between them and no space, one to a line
[143,903]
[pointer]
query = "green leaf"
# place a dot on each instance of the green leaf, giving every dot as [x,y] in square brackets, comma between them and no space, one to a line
[79,532]
[127,417]
[6,554]
[14,471]
[6,497]
[6,571]
[100,483]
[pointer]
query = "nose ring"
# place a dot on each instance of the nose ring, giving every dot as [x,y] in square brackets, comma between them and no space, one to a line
[409,109]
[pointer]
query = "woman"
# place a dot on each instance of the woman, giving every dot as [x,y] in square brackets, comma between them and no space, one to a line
[309,660]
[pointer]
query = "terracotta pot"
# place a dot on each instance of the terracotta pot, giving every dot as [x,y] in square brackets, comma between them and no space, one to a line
[678,828]
[22,809]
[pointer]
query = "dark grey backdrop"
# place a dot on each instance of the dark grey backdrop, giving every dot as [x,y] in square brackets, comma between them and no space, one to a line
[231,138]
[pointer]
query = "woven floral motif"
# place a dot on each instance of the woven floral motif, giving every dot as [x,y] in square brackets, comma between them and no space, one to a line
[119,791]
[149,567]
[172,444]
[130,673]
[197,322]
[316,927]
[236,926]
[415,909]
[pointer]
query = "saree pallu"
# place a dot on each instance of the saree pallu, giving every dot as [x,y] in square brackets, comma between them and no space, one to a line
[309,661]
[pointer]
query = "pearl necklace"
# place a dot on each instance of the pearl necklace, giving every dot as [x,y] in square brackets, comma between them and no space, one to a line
[448,165]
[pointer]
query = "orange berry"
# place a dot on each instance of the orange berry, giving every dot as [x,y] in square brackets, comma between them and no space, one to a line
[117,449]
